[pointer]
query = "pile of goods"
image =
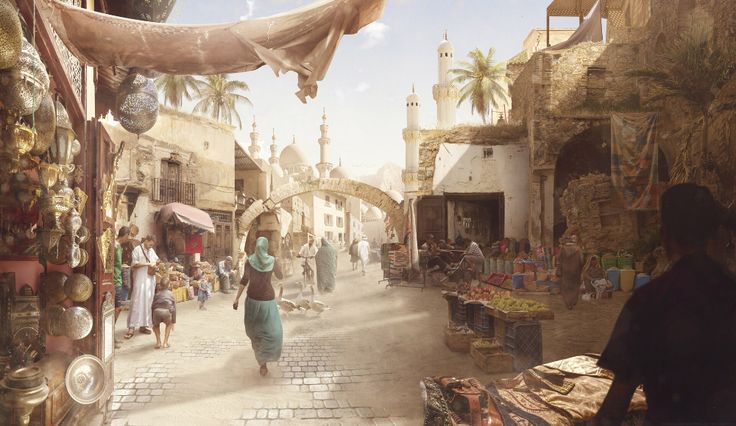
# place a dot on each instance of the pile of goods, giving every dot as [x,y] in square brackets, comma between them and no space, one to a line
[480,293]
[507,303]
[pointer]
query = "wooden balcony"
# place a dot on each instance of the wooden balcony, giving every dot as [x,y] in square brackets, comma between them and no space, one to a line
[172,191]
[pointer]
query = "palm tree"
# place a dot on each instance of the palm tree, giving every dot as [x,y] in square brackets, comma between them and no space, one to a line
[483,80]
[218,97]
[693,69]
[176,88]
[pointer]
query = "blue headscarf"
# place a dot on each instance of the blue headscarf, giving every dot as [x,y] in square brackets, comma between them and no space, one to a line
[261,260]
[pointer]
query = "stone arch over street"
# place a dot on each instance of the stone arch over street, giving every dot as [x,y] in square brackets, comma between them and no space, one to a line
[363,191]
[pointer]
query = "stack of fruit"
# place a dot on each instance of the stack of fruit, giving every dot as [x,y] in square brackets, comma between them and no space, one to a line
[506,303]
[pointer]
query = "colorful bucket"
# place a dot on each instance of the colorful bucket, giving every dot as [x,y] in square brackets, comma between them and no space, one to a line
[517,281]
[627,280]
[641,280]
[614,276]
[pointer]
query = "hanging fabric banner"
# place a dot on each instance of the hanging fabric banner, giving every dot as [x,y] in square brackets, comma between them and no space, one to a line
[635,159]
[303,40]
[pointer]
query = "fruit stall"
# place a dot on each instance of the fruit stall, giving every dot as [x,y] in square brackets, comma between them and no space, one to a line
[501,332]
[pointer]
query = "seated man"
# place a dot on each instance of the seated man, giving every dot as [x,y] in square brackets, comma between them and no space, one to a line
[435,261]
[226,275]
[475,258]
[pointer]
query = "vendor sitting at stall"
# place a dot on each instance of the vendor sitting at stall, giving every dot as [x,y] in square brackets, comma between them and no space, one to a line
[226,275]
[435,261]
[474,256]
[594,277]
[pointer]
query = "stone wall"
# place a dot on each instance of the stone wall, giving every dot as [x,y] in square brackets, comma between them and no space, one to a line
[472,135]
[596,216]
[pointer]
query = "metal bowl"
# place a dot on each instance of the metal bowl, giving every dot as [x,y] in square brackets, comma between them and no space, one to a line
[11,35]
[83,234]
[76,323]
[85,379]
[53,320]
[25,378]
[53,287]
[78,287]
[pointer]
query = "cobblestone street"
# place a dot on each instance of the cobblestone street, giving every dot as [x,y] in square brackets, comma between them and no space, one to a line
[359,363]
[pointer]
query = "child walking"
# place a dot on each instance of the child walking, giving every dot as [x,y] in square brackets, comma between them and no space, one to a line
[163,311]
[205,289]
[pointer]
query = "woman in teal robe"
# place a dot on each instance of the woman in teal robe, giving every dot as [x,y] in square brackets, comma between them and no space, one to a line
[326,260]
[262,319]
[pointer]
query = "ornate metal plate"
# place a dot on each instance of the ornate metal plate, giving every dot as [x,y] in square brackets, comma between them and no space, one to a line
[85,379]
[76,322]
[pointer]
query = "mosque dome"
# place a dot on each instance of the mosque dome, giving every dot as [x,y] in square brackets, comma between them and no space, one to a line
[340,172]
[395,195]
[373,214]
[293,156]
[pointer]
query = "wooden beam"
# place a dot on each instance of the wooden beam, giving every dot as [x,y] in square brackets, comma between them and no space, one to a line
[548,29]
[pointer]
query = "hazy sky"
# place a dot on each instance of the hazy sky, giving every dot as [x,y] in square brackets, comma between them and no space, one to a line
[372,72]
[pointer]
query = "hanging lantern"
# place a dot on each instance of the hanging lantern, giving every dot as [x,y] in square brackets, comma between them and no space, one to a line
[23,86]
[137,104]
[149,10]
[44,121]
[11,35]
[65,145]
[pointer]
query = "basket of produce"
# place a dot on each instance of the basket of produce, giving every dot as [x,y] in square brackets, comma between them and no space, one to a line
[506,307]
[458,338]
[489,356]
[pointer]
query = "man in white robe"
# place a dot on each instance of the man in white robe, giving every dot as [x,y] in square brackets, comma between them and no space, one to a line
[144,287]
[308,252]
[364,252]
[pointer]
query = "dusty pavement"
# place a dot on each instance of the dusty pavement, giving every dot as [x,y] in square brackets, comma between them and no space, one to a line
[358,363]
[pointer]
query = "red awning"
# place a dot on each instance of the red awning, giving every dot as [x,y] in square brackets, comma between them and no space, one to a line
[182,213]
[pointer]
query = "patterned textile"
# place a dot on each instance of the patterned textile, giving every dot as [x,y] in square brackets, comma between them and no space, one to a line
[635,159]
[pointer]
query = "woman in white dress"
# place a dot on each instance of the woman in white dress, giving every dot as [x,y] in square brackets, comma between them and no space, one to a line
[144,287]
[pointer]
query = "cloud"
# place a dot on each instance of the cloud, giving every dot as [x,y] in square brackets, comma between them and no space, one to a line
[374,34]
[251,4]
[362,87]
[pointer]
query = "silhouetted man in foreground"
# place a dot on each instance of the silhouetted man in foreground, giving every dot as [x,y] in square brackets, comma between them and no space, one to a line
[677,334]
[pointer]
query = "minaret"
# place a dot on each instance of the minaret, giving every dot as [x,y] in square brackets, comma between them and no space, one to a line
[444,92]
[254,148]
[274,150]
[411,138]
[324,166]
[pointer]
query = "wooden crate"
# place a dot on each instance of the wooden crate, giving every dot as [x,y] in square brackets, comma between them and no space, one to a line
[458,342]
[492,361]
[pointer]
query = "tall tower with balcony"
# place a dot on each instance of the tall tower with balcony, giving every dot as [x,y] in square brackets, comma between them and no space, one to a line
[324,166]
[445,93]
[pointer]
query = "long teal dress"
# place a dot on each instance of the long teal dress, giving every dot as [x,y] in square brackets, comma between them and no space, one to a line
[326,261]
[262,319]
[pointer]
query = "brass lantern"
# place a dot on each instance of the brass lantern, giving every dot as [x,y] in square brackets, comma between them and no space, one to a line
[23,86]
[148,10]
[11,35]
[44,122]
[137,104]
[65,145]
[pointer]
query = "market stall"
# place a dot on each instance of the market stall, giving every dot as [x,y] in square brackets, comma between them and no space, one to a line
[502,333]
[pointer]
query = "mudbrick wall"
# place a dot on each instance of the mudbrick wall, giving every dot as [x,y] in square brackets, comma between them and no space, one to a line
[594,214]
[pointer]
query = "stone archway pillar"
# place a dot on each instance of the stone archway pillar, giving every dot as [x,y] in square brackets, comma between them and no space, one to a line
[542,207]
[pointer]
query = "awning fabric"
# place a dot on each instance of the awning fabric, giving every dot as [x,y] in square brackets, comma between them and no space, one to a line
[590,30]
[303,40]
[182,213]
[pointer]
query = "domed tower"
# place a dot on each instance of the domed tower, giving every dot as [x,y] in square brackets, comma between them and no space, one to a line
[340,172]
[444,92]
[254,148]
[324,166]
[411,138]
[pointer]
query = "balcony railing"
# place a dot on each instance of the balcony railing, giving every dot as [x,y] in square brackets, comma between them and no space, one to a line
[173,191]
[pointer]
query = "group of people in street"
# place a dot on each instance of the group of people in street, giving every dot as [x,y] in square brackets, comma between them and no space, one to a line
[360,251]
[151,303]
